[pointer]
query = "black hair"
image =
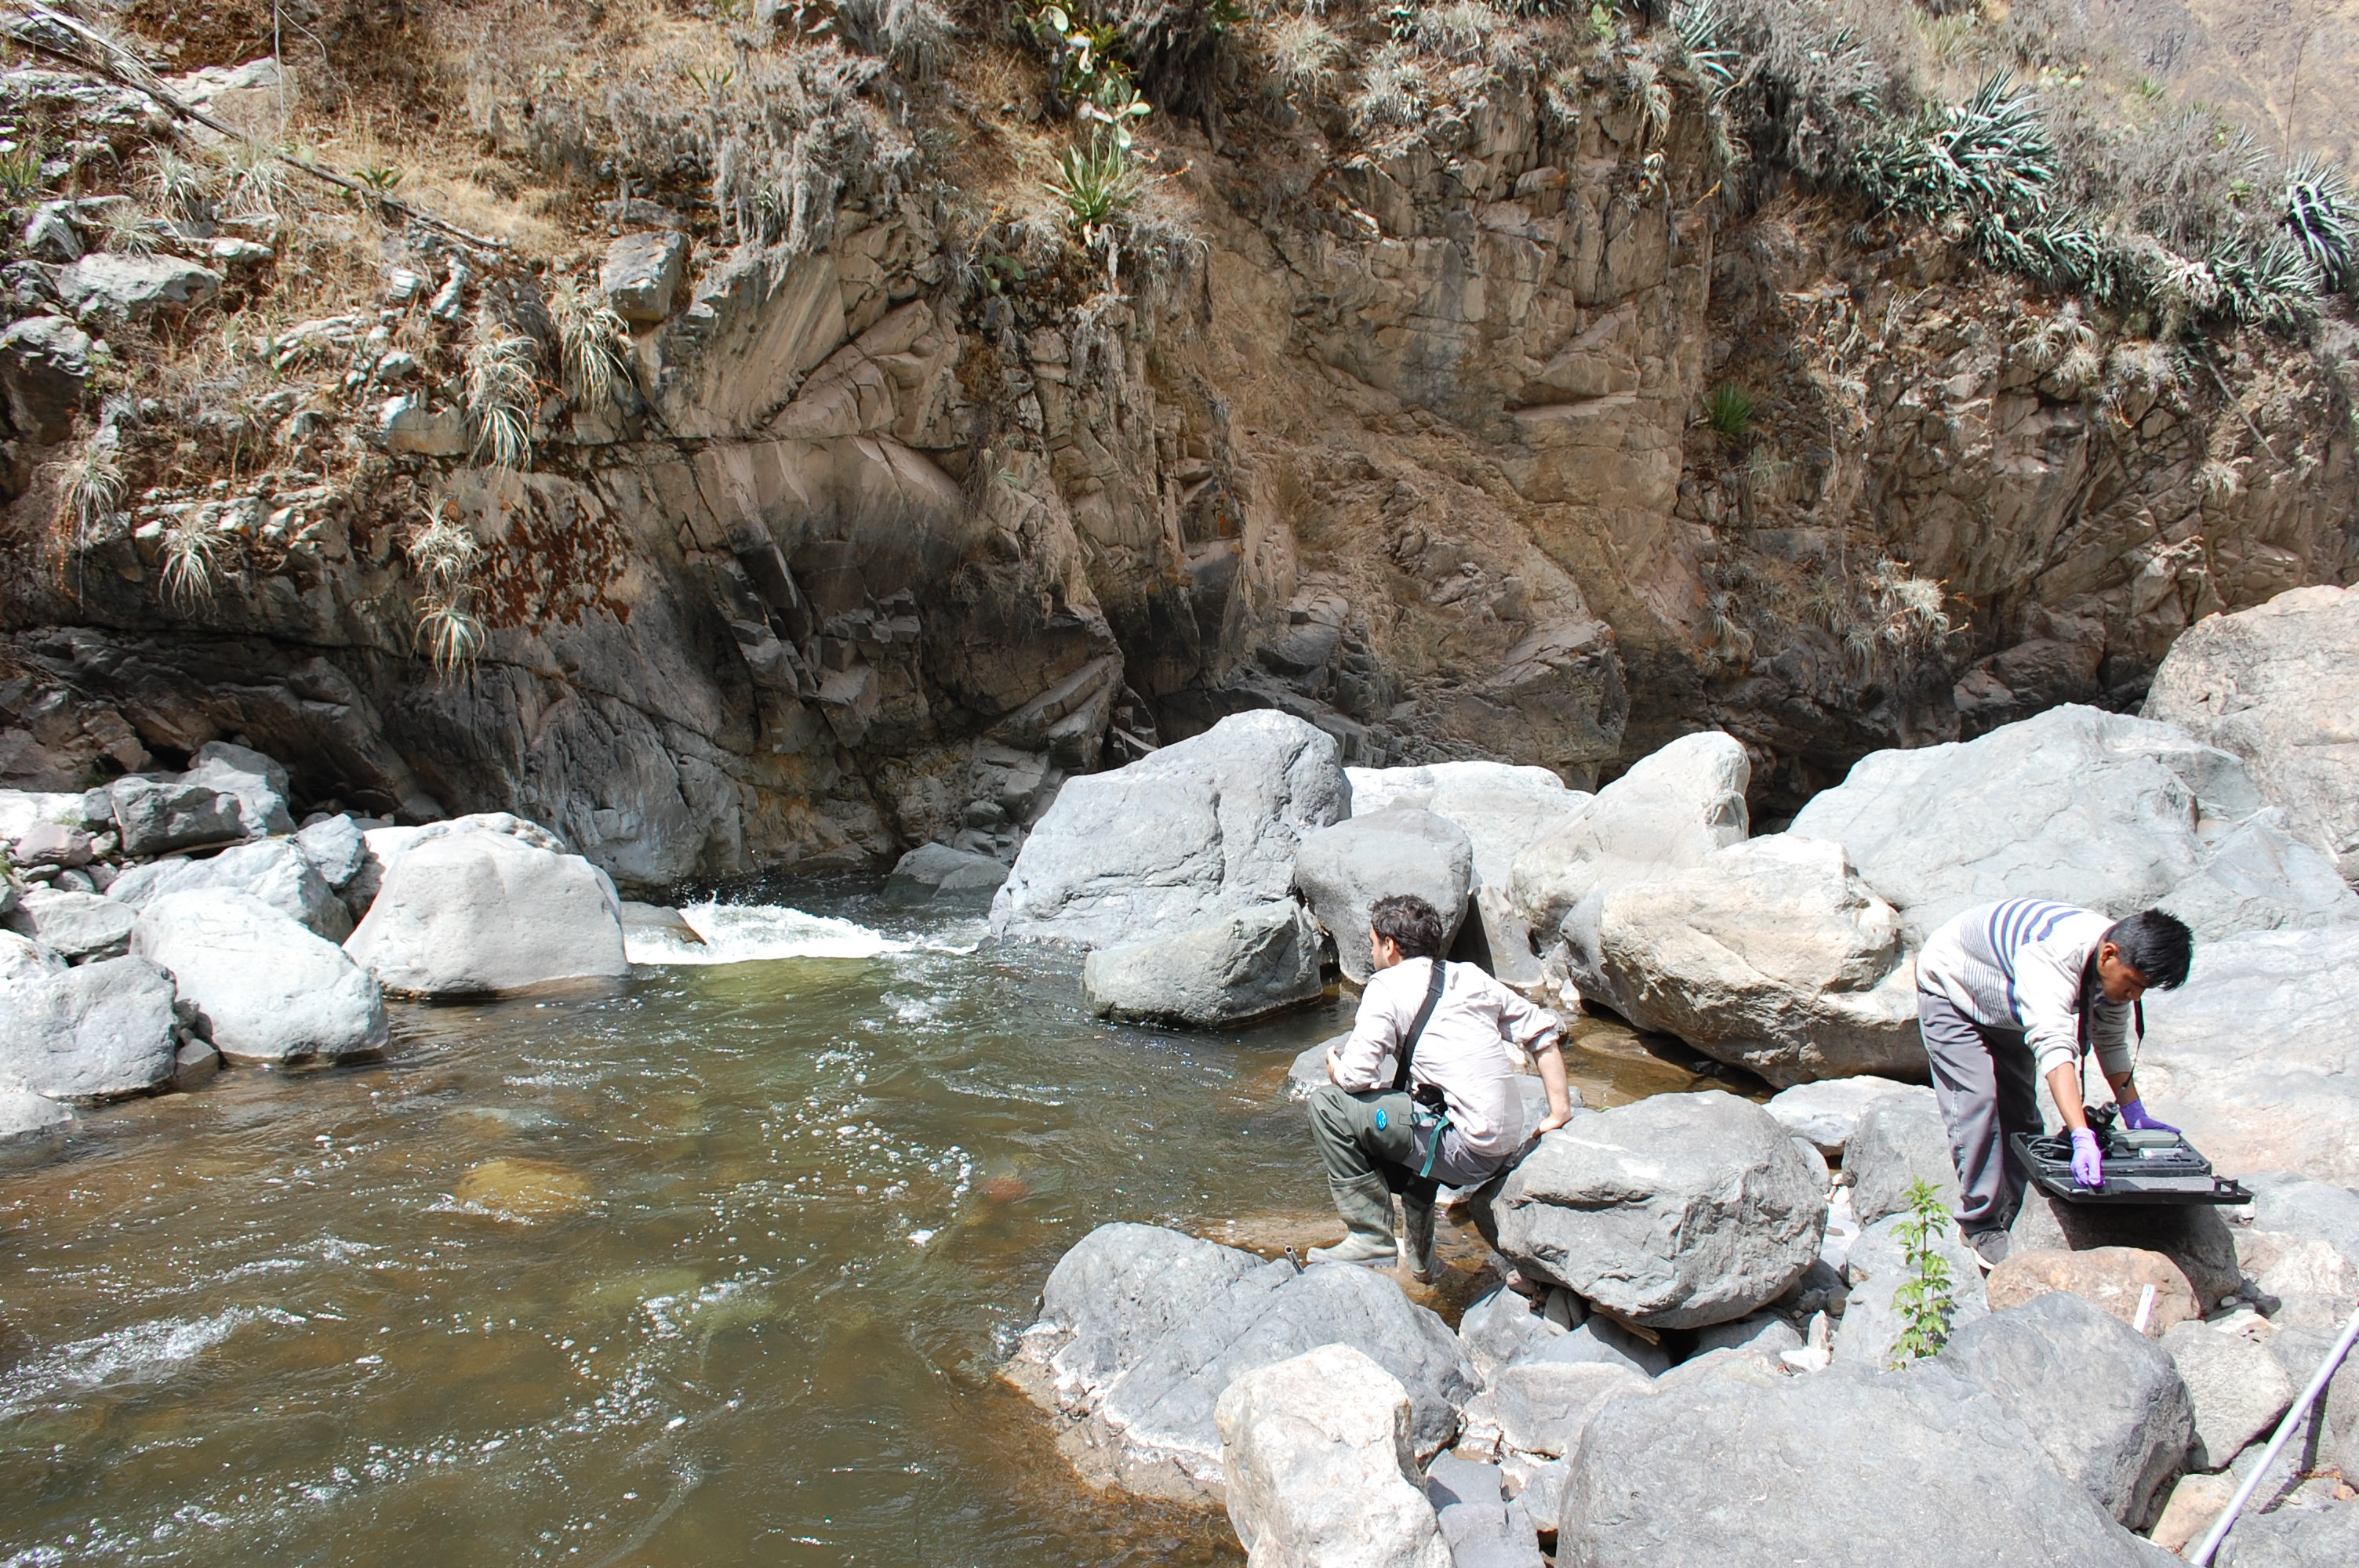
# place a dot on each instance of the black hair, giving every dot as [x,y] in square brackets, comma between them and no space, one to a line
[1409,923]
[2155,945]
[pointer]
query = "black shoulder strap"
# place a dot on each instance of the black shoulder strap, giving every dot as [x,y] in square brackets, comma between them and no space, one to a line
[1416,1029]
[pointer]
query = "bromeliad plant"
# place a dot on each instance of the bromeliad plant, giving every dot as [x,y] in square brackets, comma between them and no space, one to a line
[1097,179]
[1924,1299]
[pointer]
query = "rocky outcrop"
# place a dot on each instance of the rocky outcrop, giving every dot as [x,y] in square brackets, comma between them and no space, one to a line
[1321,1470]
[1674,1212]
[938,874]
[1232,967]
[1341,871]
[1197,829]
[1142,1331]
[2272,684]
[1770,954]
[467,913]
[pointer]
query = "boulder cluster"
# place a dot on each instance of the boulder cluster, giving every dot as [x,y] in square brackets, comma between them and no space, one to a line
[166,923]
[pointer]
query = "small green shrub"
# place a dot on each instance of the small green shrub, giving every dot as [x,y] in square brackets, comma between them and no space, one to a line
[1728,410]
[20,173]
[1924,1299]
[1095,182]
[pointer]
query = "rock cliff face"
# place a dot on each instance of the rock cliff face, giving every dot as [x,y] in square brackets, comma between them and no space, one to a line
[1398,440]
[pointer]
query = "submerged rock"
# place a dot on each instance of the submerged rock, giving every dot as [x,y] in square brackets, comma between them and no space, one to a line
[1230,969]
[1742,1468]
[1502,810]
[96,1031]
[265,987]
[1673,1212]
[2273,685]
[936,873]
[1201,828]
[1341,872]
[1142,1330]
[2105,1402]
[472,913]
[1321,1473]
[1770,954]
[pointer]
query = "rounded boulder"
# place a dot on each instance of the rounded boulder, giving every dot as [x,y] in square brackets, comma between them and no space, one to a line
[470,913]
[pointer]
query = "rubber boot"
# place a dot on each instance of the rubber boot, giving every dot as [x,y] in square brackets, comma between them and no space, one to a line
[1417,1233]
[1366,1206]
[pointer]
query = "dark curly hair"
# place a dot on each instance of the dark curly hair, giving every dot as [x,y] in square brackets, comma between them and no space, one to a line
[1409,923]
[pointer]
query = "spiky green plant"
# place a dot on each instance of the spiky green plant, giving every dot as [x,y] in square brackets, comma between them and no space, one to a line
[499,392]
[91,487]
[450,636]
[1095,182]
[177,186]
[1991,153]
[1728,411]
[259,182]
[127,231]
[20,173]
[2320,217]
[1303,53]
[1924,1299]
[191,560]
[444,551]
[594,347]
[1701,29]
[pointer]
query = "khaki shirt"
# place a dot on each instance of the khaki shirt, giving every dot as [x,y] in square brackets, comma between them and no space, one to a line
[1463,1051]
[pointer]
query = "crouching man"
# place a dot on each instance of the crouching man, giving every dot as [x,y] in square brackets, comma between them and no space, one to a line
[2009,994]
[1423,1094]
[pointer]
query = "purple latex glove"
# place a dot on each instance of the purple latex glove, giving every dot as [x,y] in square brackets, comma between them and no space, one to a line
[2088,1165]
[2134,1117]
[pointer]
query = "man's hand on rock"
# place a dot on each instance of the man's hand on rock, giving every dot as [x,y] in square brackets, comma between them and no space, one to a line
[1551,1121]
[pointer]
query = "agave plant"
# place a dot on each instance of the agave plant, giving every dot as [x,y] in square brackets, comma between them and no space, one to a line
[450,636]
[499,393]
[444,552]
[2273,283]
[2320,217]
[1728,410]
[1989,154]
[1095,182]
[592,345]
[191,560]
[1701,29]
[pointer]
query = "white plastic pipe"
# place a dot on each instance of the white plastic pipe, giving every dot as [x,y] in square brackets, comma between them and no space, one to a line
[2145,1309]
[2293,1418]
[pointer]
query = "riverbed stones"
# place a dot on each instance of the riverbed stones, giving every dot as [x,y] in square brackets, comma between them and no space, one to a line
[1341,872]
[1200,828]
[99,1030]
[2273,685]
[2112,1279]
[265,987]
[336,848]
[1503,809]
[24,962]
[1321,1472]
[940,875]
[1230,969]
[2320,1536]
[275,870]
[1741,1467]
[2237,1387]
[1502,1328]
[1483,1528]
[2105,1402]
[155,817]
[1599,1340]
[2078,804]
[76,926]
[1770,954]
[1900,1140]
[474,913]
[1874,1272]
[1672,1212]
[1670,810]
[1142,1329]
[2192,1236]
[258,783]
[1541,1405]
[1827,1113]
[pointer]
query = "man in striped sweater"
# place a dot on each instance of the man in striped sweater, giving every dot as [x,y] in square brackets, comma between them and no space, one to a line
[2012,994]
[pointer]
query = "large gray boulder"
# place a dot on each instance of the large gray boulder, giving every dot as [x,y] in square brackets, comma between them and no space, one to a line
[111,289]
[474,913]
[24,962]
[2105,1402]
[2273,685]
[1543,1404]
[2324,1536]
[2286,1203]
[1341,870]
[940,875]
[1899,1142]
[1232,967]
[380,847]
[2258,877]
[2237,1387]
[2257,1055]
[97,1032]
[1670,810]
[1321,1472]
[1200,828]
[1770,954]
[1142,1330]
[1601,1341]
[1876,1269]
[1742,1468]
[265,987]
[336,848]
[1501,1329]
[1673,1212]
[258,784]
[275,870]
[1504,810]
[2078,804]
[76,926]
[155,817]
[1826,1114]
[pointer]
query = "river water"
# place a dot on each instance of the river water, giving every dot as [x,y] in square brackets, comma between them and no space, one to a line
[710,1267]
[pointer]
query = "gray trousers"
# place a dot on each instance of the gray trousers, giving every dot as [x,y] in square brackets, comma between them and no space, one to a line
[1351,1146]
[1987,1085]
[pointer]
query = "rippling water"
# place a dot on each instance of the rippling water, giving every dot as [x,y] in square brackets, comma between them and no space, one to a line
[711,1267]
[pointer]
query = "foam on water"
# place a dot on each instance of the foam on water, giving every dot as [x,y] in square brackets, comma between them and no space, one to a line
[749,933]
[141,1353]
